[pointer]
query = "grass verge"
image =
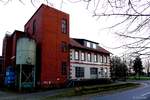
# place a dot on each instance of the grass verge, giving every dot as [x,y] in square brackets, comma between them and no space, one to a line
[137,78]
[84,90]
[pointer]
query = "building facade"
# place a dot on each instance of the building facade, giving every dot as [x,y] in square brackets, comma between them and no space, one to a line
[59,58]
[88,60]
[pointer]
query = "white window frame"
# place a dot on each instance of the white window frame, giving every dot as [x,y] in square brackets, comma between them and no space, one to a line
[88,44]
[76,56]
[94,45]
[89,57]
[83,56]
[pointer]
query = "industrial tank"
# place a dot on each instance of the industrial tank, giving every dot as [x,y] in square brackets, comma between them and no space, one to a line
[25,62]
[25,51]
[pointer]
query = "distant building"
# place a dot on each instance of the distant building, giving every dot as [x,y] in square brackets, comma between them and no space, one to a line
[44,54]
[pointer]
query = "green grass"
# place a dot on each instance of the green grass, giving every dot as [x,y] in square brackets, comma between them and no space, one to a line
[84,90]
[137,78]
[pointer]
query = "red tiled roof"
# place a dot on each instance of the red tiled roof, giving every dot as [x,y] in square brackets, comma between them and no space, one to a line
[74,43]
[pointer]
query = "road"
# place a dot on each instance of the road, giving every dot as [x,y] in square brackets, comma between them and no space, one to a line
[28,96]
[141,93]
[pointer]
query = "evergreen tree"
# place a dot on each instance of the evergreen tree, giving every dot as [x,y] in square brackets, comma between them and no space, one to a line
[137,66]
[118,69]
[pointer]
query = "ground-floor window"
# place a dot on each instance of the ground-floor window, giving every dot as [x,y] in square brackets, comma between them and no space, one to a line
[79,71]
[94,71]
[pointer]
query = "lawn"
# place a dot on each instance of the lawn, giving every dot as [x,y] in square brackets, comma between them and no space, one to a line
[84,90]
[137,78]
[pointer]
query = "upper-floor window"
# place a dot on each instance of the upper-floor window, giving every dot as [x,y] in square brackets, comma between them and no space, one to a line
[100,59]
[71,55]
[104,59]
[89,57]
[64,47]
[88,44]
[95,58]
[94,45]
[108,59]
[34,27]
[82,56]
[64,26]
[76,55]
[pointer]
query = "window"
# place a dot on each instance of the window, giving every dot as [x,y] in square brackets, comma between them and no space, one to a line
[108,59]
[95,58]
[34,27]
[88,44]
[76,55]
[94,45]
[71,58]
[94,71]
[82,56]
[104,59]
[79,71]
[64,26]
[64,47]
[100,57]
[89,57]
[64,68]
[102,72]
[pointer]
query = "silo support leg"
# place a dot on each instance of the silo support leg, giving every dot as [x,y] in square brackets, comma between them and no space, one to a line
[20,77]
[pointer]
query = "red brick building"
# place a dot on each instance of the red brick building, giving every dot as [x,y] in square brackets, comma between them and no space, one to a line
[49,28]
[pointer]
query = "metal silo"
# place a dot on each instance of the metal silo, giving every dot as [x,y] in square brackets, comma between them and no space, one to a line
[25,61]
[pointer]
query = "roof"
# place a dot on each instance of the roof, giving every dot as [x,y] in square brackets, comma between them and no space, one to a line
[42,6]
[84,40]
[74,43]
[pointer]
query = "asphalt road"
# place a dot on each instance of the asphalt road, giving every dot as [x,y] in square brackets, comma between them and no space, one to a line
[28,96]
[141,93]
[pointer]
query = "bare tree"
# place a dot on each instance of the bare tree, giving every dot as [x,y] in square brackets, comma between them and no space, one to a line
[147,66]
[130,19]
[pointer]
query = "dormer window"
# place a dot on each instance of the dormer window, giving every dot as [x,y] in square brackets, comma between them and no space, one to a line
[94,45]
[88,44]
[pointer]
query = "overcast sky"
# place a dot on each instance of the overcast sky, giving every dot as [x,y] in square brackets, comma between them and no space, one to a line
[14,15]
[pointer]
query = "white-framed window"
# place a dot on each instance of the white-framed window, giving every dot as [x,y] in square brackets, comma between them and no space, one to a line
[71,55]
[108,59]
[76,55]
[95,58]
[88,44]
[100,58]
[93,71]
[82,56]
[89,57]
[79,72]
[94,45]
[104,59]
